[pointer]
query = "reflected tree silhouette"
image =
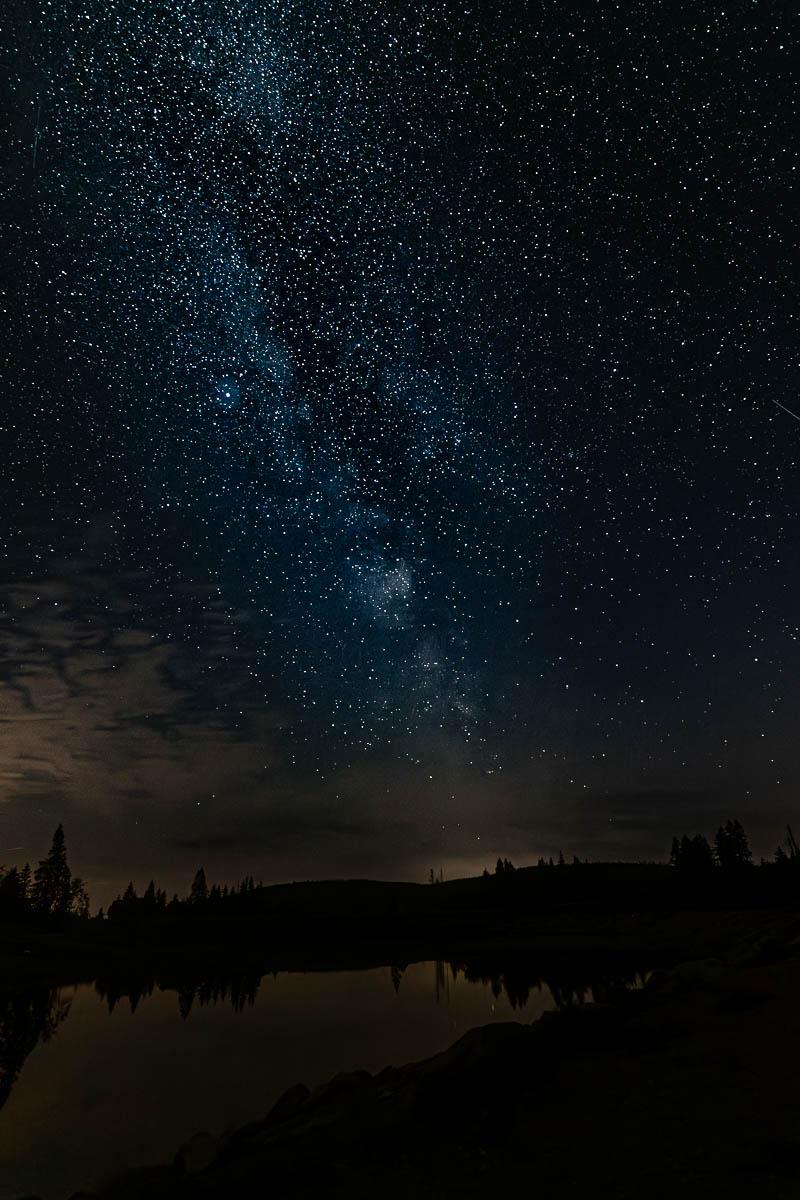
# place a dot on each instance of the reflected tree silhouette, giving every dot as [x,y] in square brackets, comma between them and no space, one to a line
[26,1018]
[566,987]
[133,986]
[33,1015]
[239,989]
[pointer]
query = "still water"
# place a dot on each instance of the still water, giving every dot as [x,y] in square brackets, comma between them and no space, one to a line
[94,1079]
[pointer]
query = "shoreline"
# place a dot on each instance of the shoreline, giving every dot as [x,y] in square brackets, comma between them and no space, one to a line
[31,956]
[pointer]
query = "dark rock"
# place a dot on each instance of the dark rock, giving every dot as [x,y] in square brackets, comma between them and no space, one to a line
[741,1001]
[154,1183]
[289,1103]
[489,1049]
[343,1090]
[705,973]
[768,948]
[487,1061]
[198,1153]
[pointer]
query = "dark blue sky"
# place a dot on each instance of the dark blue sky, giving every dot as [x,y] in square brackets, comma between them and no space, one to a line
[392,471]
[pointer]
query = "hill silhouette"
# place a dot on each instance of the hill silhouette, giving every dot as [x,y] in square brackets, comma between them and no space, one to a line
[46,929]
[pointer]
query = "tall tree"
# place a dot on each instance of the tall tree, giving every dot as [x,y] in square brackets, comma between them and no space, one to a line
[78,898]
[13,893]
[52,879]
[731,847]
[199,891]
[693,856]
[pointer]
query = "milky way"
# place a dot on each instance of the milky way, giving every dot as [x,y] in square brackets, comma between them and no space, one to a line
[421,360]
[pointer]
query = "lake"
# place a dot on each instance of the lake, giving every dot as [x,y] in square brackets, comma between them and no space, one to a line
[95,1078]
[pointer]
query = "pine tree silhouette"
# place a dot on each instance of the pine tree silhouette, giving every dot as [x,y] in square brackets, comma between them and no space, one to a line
[199,891]
[731,847]
[52,879]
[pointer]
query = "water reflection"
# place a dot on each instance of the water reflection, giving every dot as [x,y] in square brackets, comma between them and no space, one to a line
[567,987]
[148,1058]
[239,989]
[26,1018]
[33,1016]
[516,980]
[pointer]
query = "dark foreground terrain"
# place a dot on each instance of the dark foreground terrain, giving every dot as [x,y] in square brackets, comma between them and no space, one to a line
[690,1087]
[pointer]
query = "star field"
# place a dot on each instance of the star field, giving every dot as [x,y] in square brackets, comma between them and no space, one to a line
[421,366]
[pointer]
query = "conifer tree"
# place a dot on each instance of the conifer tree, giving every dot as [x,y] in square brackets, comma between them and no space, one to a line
[731,846]
[52,879]
[199,891]
[78,898]
[13,900]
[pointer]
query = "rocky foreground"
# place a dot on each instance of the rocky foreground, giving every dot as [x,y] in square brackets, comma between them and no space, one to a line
[690,1087]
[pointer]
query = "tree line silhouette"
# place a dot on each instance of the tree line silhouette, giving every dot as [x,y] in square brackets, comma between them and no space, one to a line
[52,895]
[504,866]
[202,899]
[51,891]
[730,852]
[693,856]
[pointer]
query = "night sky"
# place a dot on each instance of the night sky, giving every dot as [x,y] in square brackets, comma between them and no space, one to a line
[393,468]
